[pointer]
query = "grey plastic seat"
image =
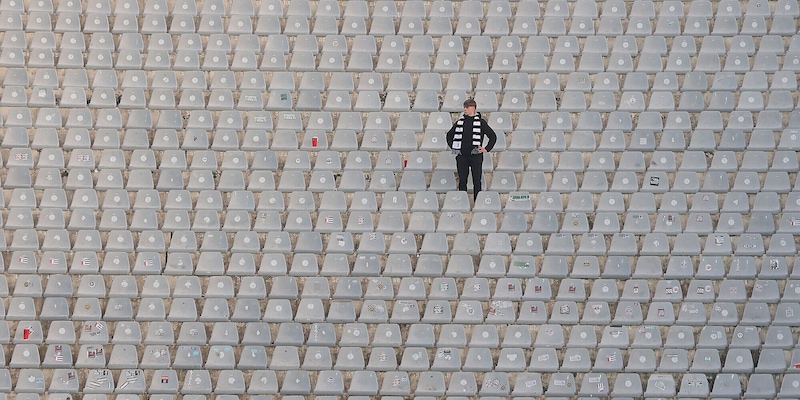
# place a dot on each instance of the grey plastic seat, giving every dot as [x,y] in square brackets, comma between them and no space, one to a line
[770,362]
[709,338]
[738,361]
[706,360]
[760,386]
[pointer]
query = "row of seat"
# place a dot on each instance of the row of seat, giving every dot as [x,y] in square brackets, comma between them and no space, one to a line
[419,9]
[106,121]
[17,81]
[405,242]
[404,156]
[409,288]
[205,219]
[383,181]
[264,383]
[549,336]
[135,43]
[310,310]
[504,62]
[490,201]
[405,151]
[520,143]
[353,26]
[186,227]
[753,81]
[624,182]
[525,147]
[393,236]
[429,263]
[534,9]
[426,201]
[405,139]
[419,44]
[493,27]
[475,359]
[552,336]
[276,8]
[396,101]
[436,312]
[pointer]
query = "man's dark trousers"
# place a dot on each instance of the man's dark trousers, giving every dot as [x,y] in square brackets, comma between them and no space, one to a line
[465,163]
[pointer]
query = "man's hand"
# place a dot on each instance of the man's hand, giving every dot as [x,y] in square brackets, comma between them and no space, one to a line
[481,149]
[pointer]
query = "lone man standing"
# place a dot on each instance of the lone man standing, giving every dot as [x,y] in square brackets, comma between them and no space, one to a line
[465,138]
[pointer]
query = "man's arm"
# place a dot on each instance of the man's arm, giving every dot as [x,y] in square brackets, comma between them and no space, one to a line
[489,132]
[451,136]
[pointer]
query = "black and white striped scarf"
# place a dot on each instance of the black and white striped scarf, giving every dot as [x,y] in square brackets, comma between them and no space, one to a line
[477,138]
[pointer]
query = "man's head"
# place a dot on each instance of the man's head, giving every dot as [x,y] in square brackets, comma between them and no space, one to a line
[469,107]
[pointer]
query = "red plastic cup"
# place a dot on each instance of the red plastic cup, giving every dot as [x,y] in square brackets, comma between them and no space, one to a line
[314,141]
[405,163]
[26,333]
